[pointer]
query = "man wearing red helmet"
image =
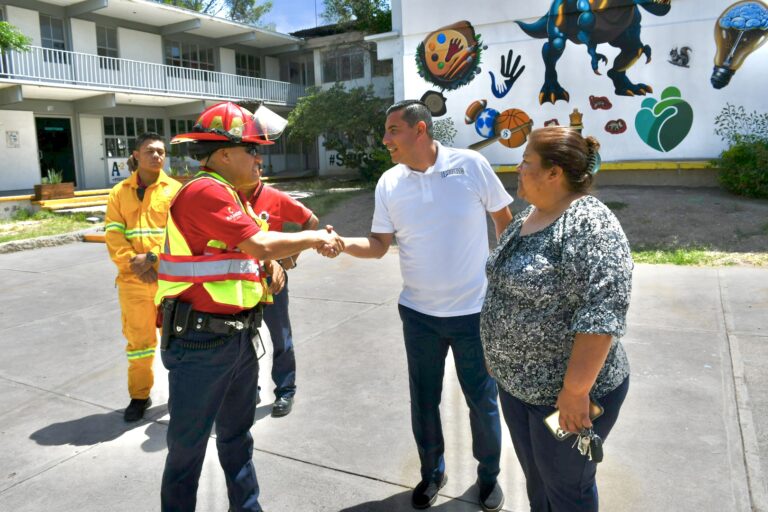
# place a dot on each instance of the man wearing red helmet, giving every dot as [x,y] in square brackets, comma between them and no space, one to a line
[211,285]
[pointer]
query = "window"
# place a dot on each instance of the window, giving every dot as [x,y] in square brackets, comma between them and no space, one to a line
[188,55]
[106,46]
[120,133]
[52,38]
[380,67]
[343,64]
[247,65]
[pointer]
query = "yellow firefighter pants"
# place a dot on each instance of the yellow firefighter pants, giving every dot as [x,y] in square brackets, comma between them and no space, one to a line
[138,315]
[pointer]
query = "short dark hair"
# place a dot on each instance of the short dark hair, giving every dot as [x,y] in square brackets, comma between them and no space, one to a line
[413,112]
[144,137]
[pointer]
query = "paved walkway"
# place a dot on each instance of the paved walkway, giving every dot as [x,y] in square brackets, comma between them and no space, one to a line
[689,438]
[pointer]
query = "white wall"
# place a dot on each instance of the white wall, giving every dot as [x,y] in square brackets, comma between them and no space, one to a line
[140,46]
[227,60]
[28,22]
[271,68]
[21,169]
[83,36]
[689,23]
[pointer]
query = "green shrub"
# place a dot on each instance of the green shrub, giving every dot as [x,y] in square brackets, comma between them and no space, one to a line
[744,165]
[744,169]
[21,214]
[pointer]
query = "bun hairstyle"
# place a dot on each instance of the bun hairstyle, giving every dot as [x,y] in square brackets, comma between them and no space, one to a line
[576,155]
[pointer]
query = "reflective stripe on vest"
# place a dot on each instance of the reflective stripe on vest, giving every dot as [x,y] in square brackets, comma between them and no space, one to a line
[229,277]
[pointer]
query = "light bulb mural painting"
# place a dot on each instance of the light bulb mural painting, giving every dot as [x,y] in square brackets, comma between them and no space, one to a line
[664,124]
[448,58]
[740,30]
[510,127]
[616,22]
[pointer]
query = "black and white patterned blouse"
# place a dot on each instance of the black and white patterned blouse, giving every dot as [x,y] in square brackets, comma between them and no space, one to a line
[574,276]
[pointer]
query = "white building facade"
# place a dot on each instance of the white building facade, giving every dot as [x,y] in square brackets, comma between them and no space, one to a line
[101,72]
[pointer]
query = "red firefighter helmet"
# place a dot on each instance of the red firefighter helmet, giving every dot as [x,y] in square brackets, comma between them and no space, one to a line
[231,123]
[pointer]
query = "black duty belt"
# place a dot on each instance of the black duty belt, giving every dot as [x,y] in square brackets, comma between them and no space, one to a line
[179,319]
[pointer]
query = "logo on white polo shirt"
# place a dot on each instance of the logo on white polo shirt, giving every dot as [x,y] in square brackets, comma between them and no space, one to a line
[452,172]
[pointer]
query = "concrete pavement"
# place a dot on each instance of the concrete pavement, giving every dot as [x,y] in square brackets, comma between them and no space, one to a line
[691,437]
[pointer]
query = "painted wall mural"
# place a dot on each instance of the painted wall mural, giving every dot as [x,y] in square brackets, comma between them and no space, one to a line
[510,73]
[616,22]
[510,127]
[664,124]
[740,30]
[449,58]
[608,37]
[680,57]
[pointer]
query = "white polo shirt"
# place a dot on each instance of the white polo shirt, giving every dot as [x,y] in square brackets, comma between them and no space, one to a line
[438,218]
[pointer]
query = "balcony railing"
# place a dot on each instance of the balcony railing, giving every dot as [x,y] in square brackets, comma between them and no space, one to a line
[44,65]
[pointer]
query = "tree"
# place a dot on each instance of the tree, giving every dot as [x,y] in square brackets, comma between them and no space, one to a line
[242,11]
[12,39]
[370,16]
[350,122]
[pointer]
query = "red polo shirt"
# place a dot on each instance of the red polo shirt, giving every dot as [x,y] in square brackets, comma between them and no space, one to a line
[204,210]
[277,207]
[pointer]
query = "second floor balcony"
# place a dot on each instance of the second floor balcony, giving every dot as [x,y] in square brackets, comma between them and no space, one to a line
[44,66]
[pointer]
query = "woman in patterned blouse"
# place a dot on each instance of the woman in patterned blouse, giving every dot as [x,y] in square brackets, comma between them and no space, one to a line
[558,291]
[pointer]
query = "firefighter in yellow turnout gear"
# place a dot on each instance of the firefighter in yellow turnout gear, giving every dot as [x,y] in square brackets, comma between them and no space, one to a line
[137,212]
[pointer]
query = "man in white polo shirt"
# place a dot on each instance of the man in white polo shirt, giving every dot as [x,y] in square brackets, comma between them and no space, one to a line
[435,201]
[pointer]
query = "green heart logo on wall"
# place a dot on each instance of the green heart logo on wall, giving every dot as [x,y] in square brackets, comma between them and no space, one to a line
[664,124]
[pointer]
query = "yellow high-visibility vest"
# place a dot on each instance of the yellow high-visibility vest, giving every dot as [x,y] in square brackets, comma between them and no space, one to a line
[230,277]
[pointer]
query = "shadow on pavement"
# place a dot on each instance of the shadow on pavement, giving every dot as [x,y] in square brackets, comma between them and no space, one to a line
[402,501]
[98,428]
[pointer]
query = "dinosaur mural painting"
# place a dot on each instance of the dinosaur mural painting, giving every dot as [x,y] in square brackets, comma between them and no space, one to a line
[594,22]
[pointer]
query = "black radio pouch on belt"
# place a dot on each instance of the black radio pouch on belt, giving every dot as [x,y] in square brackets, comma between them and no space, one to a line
[181,318]
[167,307]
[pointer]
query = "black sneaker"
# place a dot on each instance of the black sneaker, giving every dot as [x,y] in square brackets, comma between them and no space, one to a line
[491,497]
[425,494]
[282,406]
[135,410]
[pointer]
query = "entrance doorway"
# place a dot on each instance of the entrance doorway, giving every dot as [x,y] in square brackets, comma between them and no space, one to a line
[54,143]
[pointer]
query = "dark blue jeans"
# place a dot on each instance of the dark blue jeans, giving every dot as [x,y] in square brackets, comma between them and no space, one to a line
[206,385]
[557,477]
[283,357]
[427,339]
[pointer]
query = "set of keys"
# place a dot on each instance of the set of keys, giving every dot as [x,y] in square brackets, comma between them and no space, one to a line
[589,445]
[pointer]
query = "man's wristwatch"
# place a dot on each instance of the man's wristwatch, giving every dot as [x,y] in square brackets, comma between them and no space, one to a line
[152,257]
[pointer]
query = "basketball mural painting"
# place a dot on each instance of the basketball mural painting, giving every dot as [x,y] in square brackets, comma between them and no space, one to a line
[510,128]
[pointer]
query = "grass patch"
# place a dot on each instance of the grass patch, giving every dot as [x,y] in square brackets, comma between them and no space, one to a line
[43,223]
[615,205]
[699,257]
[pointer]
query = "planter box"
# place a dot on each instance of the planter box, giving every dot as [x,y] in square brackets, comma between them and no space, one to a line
[44,192]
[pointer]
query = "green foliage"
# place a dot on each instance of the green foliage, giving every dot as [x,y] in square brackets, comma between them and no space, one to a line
[242,11]
[744,169]
[744,165]
[53,177]
[12,39]
[350,123]
[369,16]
